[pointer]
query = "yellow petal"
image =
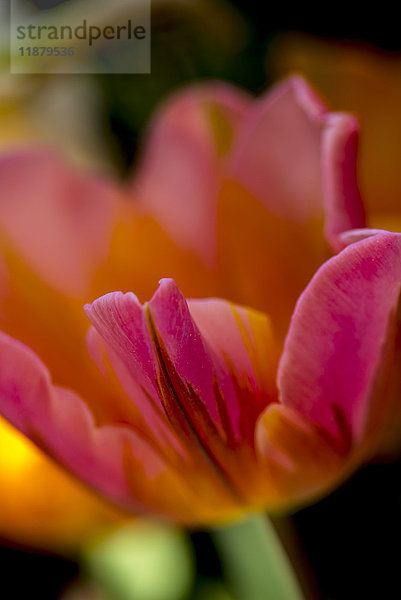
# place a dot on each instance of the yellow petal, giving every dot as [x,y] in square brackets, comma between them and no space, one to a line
[40,504]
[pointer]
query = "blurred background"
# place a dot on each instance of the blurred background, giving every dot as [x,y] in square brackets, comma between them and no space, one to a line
[351,539]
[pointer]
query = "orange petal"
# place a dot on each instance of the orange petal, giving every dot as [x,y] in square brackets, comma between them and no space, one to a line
[265,261]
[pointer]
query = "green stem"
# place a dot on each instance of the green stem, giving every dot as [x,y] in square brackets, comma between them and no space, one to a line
[255,562]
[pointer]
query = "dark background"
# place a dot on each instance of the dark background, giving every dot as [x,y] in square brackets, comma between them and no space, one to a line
[351,538]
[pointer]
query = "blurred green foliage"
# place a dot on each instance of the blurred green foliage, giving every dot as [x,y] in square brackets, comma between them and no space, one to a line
[142,561]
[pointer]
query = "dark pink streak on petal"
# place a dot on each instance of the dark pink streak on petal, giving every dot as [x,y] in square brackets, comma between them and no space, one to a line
[248,383]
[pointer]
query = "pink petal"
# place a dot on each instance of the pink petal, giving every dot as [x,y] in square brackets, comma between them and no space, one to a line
[124,325]
[184,343]
[133,364]
[341,340]
[343,205]
[299,159]
[59,422]
[59,221]
[179,175]
[121,322]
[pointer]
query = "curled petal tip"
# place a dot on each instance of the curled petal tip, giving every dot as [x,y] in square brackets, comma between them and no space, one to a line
[167,281]
[312,104]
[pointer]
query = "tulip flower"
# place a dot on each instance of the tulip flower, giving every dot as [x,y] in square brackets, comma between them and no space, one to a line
[233,197]
[203,432]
